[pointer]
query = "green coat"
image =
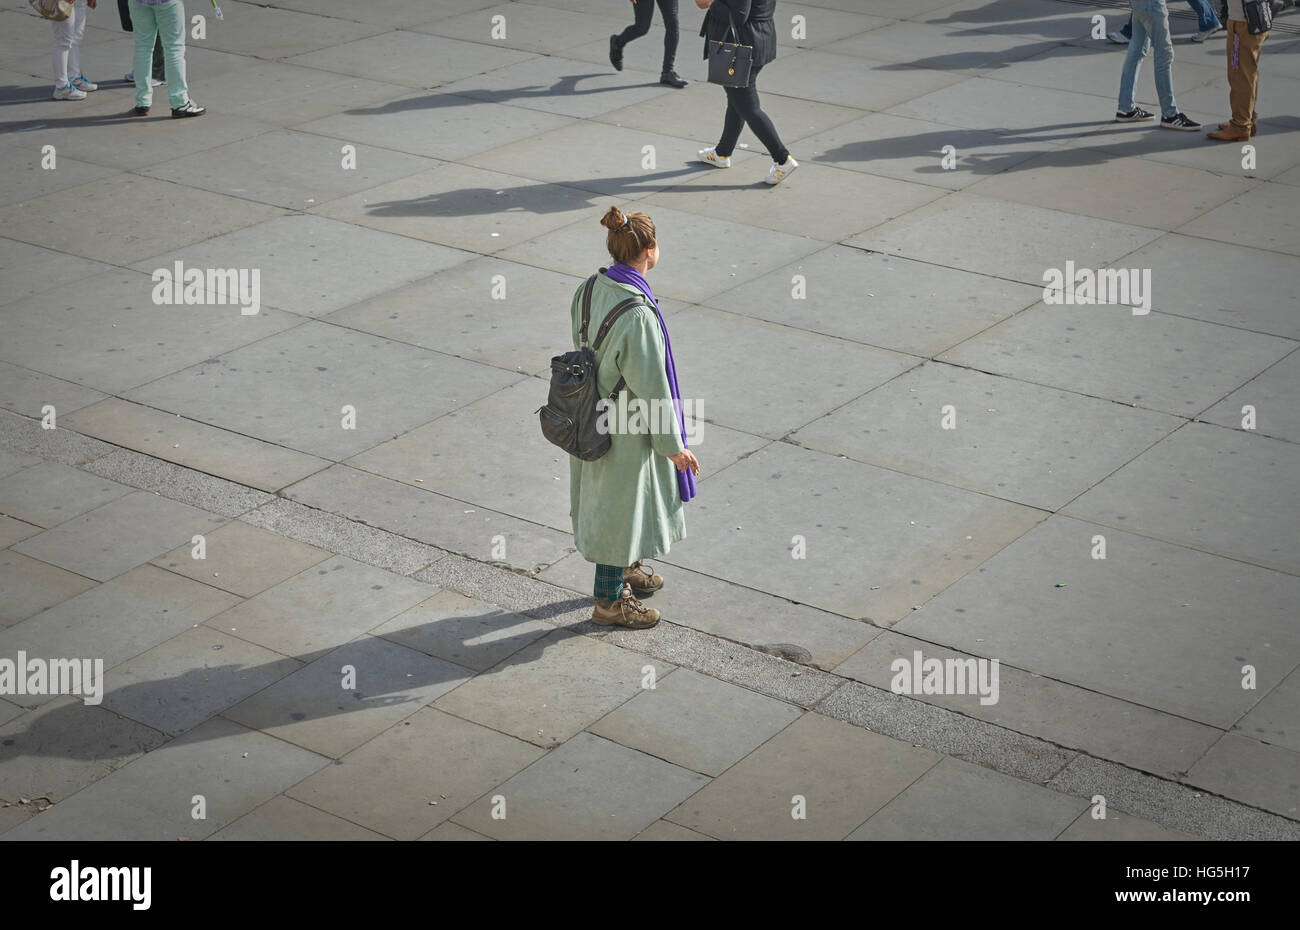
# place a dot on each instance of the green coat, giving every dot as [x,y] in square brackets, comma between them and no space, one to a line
[625,505]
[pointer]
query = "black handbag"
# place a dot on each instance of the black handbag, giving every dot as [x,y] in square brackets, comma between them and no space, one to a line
[1259,16]
[569,418]
[730,63]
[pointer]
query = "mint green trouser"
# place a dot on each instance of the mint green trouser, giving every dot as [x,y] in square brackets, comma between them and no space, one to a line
[167,21]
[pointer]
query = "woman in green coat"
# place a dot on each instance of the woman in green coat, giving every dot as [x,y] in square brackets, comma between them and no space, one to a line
[626,505]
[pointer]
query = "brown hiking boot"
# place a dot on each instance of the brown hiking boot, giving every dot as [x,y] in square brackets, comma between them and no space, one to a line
[642,578]
[626,611]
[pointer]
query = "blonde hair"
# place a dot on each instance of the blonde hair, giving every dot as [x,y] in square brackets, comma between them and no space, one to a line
[630,234]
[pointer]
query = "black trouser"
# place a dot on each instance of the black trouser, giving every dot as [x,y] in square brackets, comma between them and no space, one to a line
[124,11]
[742,109]
[645,9]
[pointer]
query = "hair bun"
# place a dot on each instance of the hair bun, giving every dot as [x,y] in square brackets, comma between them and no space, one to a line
[613,219]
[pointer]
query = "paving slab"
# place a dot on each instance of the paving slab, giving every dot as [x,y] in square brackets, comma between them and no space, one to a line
[696,112]
[1085,634]
[702,256]
[587,789]
[1219,490]
[291,389]
[1156,361]
[1275,395]
[1049,709]
[312,265]
[850,81]
[959,801]
[118,535]
[998,238]
[267,32]
[464,630]
[56,750]
[331,710]
[234,769]
[29,269]
[29,393]
[415,775]
[1263,218]
[12,531]
[396,13]
[911,46]
[1013,440]
[843,773]
[914,150]
[388,56]
[321,608]
[176,482]
[127,217]
[28,586]
[13,461]
[696,722]
[435,124]
[1273,719]
[873,554]
[1257,773]
[196,445]
[551,689]
[666,831]
[50,493]
[1134,191]
[1119,826]
[182,682]
[105,331]
[735,612]
[242,559]
[1191,279]
[454,832]
[31,177]
[286,95]
[283,818]
[811,206]
[525,26]
[116,620]
[295,170]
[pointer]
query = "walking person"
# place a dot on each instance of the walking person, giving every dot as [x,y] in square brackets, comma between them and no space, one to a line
[1207,24]
[644,10]
[627,505]
[165,19]
[69,82]
[1243,75]
[1151,30]
[754,27]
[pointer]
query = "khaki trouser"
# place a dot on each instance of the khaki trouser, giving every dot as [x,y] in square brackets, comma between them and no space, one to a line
[1243,73]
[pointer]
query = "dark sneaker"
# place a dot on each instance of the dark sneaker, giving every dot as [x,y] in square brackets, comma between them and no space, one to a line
[189,109]
[671,79]
[615,53]
[1137,114]
[1179,121]
[141,111]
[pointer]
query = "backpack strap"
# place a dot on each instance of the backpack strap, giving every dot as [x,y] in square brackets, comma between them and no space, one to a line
[586,306]
[605,327]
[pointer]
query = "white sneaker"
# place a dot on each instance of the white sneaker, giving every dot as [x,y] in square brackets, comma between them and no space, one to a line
[778,173]
[129,77]
[710,156]
[1118,38]
[81,83]
[68,92]
[1202,36]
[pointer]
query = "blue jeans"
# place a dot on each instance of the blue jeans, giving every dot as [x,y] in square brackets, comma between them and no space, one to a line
[1150,31]
[1205,18]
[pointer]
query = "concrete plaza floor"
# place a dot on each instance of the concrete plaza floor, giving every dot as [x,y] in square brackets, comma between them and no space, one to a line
[829,330]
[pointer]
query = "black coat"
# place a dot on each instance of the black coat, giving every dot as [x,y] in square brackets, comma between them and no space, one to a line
[754,26]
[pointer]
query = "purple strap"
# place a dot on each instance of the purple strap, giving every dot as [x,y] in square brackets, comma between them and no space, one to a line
[625,274]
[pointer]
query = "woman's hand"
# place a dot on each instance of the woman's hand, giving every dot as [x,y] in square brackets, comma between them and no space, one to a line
[686,458]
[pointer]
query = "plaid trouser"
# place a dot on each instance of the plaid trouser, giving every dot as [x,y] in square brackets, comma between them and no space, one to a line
[609,582]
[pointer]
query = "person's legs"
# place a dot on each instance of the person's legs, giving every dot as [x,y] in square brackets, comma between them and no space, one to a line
[643,10]
[1127,31]
[78,21]
[159,66]
[63,33]
[1205,18]
[144,28]
[743,105]
[1137,50]
[1243,74]
[171,27]
[1162,48]
[732,123]
[609,582]
[668,10]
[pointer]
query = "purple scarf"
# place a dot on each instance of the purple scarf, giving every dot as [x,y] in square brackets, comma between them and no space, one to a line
[626,274]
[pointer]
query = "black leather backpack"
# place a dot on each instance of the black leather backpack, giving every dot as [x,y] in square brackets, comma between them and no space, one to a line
[569,417]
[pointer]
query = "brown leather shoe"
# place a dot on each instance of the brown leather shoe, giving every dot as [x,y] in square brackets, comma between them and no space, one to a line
[1231,134]
[626,611]
[1230,126]
[642,578]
